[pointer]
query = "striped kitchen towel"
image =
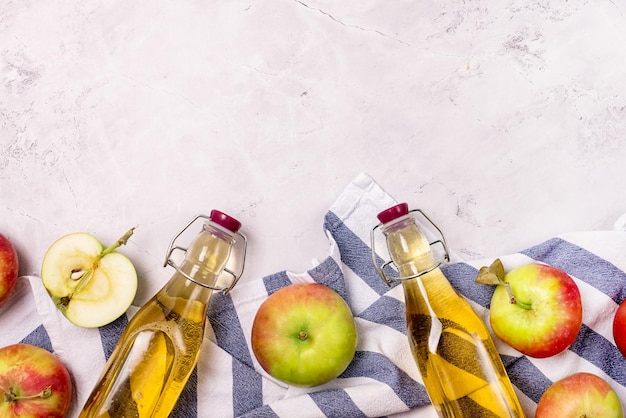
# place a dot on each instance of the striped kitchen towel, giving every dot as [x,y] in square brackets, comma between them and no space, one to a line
[382,380]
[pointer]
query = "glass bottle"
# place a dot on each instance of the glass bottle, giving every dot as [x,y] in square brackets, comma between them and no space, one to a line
[457,359]
[159,348]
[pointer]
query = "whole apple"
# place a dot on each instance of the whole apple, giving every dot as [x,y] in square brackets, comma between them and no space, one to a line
[33,382]
[304,334]
[579,395]
[540,314]
[619,328]
[8,269]
[90,284]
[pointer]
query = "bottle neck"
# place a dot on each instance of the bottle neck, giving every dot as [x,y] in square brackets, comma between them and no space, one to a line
[204,260]
[408,247]
[208,254]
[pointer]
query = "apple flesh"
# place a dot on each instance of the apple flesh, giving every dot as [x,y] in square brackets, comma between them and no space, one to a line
[619,328]
[33,383]
[540,313]
[304,334]
[90,284]
[579,395]
[8,269]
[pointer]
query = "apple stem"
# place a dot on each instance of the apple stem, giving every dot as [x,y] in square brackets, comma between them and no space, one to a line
[512,299]
[303,335]
[122,241]
[12,397]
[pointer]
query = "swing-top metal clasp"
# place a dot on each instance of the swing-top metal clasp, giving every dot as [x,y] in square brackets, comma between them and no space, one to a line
[236,275]
[380,269]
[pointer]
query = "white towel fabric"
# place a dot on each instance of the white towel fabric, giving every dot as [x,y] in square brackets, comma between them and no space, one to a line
[382,380]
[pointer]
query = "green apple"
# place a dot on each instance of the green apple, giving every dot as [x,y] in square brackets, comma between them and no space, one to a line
[579,395]
[8,269]
[90,284]
[33,383]
[304,334]
[535,308]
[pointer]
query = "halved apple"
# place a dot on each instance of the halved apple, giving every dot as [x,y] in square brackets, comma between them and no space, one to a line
[90,284]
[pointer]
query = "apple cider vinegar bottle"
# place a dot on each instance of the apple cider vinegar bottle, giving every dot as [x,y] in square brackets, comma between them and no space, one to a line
[159,348]
[457,359]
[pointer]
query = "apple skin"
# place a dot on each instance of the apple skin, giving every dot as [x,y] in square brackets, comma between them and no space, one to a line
[619,328]
[304,334]
[9,266]
[551,319]
[27,370]
[579,395]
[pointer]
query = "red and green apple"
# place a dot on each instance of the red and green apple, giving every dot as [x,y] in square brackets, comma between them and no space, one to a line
[8,269]
[33,383]
[580,395]
[304,334]
[90,284]
[535,308]
[619,328]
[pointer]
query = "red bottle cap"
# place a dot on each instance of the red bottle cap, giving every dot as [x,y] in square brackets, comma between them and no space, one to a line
[225,221]
[393,212]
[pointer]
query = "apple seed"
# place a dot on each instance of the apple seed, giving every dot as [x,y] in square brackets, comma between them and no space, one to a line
[76,274]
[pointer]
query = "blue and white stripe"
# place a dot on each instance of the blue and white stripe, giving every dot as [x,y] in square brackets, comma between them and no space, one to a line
[382,380]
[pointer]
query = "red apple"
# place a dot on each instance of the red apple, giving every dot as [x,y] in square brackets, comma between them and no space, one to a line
[579,395]
[33,382]
[619,328]
[537,310]
[304,334]
[8,269]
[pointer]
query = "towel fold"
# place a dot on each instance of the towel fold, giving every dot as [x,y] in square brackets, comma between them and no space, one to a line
[382,380]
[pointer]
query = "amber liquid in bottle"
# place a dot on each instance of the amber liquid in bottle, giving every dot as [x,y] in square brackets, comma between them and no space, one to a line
[457,359]
[159,348]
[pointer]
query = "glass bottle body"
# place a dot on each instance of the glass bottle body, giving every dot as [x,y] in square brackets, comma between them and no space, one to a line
[159,348]
[457,359]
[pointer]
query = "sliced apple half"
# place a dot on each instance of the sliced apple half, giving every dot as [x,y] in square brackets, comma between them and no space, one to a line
[90,284]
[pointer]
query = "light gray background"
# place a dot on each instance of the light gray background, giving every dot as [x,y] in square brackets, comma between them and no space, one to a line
[504,120]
